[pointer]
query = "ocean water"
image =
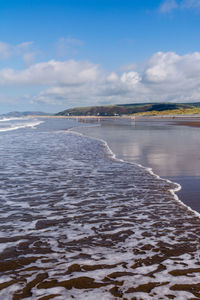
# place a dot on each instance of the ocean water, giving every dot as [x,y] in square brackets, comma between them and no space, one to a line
[77,223]
[10,124]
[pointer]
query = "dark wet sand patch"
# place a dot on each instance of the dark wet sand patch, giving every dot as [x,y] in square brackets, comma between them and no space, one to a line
[78,283]
[146,288]
[16,264]
[192,288]
[115,275]
[116,292]
[190,123]
[82,268]
[26,291]
[49,297]
[184,272]
[7,284]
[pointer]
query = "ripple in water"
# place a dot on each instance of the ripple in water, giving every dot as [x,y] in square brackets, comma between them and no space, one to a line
[78,224]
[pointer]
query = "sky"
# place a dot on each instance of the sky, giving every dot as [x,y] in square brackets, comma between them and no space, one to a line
[58,54]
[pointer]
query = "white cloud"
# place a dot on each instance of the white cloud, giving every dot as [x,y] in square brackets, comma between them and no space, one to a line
[112,77]
[171,77]
[162,67]
[172,68]
[51,73]
[165,77]
[130,78]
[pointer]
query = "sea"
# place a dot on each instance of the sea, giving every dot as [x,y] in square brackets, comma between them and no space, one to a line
[85,214]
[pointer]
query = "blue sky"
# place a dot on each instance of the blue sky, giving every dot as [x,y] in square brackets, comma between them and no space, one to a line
[56,54]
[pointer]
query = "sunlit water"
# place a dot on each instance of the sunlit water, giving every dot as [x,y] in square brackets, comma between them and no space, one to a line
[78,224]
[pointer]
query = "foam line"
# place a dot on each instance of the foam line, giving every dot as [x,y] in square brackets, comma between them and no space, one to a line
[11,119]
[32,125]
[113,156]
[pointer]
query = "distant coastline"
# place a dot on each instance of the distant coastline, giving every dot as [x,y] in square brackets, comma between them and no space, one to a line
[134,109]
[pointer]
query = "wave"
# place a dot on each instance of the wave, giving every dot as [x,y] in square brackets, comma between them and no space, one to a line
[20,126]
[4,119]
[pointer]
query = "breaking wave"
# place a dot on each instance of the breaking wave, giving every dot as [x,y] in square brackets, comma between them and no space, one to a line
[10,124]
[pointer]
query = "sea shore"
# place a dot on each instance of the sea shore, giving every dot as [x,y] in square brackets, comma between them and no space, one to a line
[77,223]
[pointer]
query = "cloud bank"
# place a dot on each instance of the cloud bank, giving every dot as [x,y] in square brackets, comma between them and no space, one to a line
[166,76]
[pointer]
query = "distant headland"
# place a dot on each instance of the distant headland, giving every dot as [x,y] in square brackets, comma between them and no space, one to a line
[142,109]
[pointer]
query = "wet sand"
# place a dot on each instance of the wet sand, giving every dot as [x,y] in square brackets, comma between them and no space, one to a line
[188,123]
[159,143]
[78,224]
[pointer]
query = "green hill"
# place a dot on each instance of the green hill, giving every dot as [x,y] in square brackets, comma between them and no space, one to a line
[129,109]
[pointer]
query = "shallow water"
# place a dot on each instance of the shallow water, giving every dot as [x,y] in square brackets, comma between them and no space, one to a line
[78,224]
[171,151]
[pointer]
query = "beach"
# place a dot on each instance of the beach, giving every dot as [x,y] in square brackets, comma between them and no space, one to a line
[168,145]
[99,150]
[79,221]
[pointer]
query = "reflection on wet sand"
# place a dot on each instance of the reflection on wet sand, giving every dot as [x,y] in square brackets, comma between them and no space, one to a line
[170,150]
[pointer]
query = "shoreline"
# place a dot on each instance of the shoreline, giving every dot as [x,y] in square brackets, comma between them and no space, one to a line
[150,170]
[186,120]
[189,188]
[119,230]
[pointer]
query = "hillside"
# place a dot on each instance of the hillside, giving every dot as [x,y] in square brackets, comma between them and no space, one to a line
[129,109]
